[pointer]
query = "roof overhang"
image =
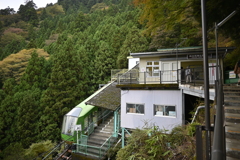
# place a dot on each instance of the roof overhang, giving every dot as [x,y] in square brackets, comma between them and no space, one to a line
[172,52]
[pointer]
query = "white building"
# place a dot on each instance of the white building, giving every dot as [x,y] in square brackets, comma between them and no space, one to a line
[155,90]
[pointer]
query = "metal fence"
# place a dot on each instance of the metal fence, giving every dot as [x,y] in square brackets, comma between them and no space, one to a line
[95,151]
[183,76]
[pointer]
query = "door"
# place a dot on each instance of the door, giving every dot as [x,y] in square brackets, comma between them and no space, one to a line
[169,72]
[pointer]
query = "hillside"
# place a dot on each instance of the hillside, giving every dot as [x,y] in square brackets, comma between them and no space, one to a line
[52,58]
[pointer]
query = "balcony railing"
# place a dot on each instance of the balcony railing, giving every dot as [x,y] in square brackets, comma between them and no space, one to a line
[182,76]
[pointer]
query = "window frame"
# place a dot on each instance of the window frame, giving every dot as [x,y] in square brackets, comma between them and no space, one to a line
[164,114]
[151,72]
[127,111]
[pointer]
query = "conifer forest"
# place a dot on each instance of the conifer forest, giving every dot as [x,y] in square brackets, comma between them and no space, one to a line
[52,58]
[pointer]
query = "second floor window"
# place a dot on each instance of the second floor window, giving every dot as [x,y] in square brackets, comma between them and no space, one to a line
[152,68]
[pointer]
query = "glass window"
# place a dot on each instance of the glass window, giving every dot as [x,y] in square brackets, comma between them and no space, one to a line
[69,123]
[164,110]
[152,68]
[135,108]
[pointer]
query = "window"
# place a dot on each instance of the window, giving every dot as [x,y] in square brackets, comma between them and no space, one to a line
[69,123]
[153,68]
[70,120]
[164,110]
[135,108]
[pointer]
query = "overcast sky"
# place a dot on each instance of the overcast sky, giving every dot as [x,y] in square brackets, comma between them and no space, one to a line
[16,3]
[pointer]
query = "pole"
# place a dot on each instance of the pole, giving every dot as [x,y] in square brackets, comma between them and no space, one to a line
[206,81]
[217,62]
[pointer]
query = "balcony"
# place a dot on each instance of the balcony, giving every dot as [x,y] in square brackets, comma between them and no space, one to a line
[192,76]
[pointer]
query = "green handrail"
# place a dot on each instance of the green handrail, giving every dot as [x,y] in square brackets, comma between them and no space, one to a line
[83,148]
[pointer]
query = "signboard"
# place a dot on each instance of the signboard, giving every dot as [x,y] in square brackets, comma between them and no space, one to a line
[197,56]
[232,74]
[78,128]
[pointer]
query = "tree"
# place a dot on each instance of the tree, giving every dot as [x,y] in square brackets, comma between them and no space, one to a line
[81,22]
[7,11]
[28,12]
[217,10]
[28,115]
[66,89]
[43,14]
[104,62]
[8,114]
[134,42]
[35,75]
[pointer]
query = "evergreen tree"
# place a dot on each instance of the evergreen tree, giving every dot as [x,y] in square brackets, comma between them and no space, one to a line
[28,115]
[28,12]
[35,74]
[43,14]
[134,42]
[104,62]
[66,89]
[8,114]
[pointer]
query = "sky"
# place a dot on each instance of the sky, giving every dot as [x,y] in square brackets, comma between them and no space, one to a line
[16,3]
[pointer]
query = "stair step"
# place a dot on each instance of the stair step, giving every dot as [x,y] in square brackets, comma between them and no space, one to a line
[232,97]
[104,130]
[232,103]
[228,93]
[100,134]
[232,131]
[231,117]
[108,124]
[230,158]
[232,109]
[96,142]
[232,148]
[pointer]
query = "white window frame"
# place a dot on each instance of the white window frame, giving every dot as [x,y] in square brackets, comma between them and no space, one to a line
[133,109]
[164,112]
[153,71]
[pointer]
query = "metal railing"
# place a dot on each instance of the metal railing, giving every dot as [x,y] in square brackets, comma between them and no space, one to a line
[116,72]
[89,128]
[82,146]
[183,76]
[95,151]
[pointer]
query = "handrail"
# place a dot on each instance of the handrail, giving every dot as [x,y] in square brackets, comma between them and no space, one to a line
[106,141]
[168,76]
[196,112]
[100,149]
[89,128]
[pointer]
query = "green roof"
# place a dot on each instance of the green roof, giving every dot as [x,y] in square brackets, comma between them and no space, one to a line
[182,48]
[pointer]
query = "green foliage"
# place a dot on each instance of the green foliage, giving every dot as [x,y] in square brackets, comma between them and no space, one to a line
[7,11]
[66,89]
[231,59]
[152,143]
[84,48]
[53,11]
[39,148]
[134,42]
[7,38]
[28,12]
[14,151]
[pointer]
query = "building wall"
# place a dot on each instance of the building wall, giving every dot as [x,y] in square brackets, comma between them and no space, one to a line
[148,98]
[132,62]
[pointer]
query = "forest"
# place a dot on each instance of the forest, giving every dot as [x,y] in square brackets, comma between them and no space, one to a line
[52,58]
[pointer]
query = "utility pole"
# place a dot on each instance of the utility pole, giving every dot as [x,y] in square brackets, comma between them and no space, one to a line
[206,81]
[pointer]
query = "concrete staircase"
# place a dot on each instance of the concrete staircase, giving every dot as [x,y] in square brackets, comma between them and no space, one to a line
[232,121]
[99,137]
